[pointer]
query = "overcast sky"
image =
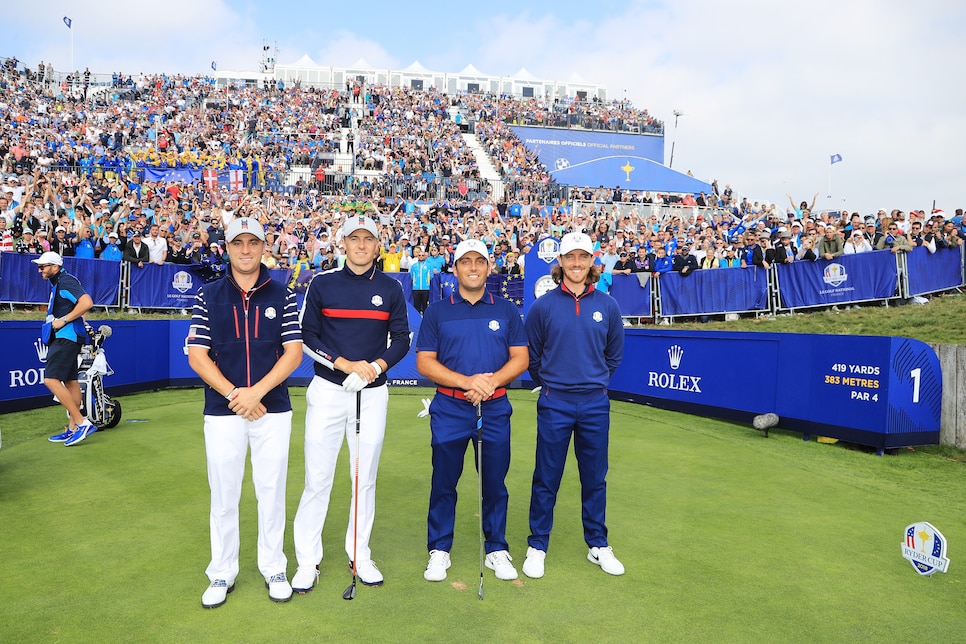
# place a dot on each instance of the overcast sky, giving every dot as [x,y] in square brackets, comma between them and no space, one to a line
[769,90]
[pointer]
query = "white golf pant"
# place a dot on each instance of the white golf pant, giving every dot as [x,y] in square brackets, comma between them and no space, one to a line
[226,443]
[331,415]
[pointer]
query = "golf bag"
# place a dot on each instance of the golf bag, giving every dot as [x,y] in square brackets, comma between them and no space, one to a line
[103,411]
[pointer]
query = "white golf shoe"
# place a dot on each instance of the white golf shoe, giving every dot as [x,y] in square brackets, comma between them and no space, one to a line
[499,562]
[368,573]
[438,564]
[279,590]
[533,566]
[604,557]
[304,579]
[216,594]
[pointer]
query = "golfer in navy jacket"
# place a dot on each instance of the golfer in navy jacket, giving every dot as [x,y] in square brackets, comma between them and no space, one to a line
[347,315]
[576,343]
[244,342]
[471,344]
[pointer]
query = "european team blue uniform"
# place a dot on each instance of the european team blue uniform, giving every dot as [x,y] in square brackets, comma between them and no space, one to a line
[469,339]
[576,344]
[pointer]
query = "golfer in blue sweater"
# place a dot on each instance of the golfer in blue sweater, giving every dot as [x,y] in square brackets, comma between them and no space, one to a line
[576,343]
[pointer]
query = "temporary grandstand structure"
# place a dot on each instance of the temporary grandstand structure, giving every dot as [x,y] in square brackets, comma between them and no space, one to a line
[521,83]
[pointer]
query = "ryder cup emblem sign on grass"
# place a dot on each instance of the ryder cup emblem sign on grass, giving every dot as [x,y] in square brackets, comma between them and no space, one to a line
[925,548]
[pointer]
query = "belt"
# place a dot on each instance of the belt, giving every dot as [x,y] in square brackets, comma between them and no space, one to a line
[461,395]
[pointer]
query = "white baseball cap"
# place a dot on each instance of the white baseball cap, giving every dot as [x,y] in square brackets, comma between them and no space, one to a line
[576,241]
[357,222]
[243,225]
[470,246]
[50,257]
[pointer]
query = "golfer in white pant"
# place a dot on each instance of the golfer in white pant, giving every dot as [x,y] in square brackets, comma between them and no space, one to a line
[347,317]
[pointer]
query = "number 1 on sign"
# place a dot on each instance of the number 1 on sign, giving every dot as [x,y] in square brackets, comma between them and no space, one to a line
[915,373]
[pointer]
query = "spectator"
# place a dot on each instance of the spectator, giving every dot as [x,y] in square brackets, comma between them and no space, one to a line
[831,244]
[894,240]
[136,252]
[112,252]
[857,243]
[684,262]
[157,246]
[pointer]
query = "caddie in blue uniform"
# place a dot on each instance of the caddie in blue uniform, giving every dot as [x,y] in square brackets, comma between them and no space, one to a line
[65,330]
[576,343]
[244,342]
[471,344]
[347,317]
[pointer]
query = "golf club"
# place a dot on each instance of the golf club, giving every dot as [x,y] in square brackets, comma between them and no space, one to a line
[479,476]
[350,592]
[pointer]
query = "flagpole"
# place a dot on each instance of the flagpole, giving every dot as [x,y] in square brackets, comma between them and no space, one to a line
[71,30]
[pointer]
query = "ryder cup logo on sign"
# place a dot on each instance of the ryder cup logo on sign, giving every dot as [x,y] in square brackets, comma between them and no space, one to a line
[925,549]
[835,274]
[182,282]
[548,250]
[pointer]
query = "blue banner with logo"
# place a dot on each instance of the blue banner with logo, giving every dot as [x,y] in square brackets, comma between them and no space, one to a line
[599,158]
[633,294]
[931,272]
[20,281]
[879,391]
[167,286]
[717,290]
[848,278]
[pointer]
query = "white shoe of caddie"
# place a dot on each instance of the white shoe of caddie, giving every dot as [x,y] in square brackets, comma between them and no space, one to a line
[533,566]
[438,564]
[499,562]
[304,579]
[604,557]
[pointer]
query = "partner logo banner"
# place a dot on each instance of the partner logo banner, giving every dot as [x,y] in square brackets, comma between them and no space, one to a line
[671,379]
[849,278]
[600,158]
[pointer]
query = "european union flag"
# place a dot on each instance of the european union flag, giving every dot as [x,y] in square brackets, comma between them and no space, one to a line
[836,158]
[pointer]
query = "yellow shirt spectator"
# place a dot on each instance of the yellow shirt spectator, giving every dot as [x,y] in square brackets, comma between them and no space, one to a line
[391,259]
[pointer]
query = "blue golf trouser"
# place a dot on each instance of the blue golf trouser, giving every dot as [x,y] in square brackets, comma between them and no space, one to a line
[587,418]
[453,425]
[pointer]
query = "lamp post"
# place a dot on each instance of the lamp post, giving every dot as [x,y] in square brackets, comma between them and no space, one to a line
[677,113]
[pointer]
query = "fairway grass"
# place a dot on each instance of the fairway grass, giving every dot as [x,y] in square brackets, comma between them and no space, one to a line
[726,537]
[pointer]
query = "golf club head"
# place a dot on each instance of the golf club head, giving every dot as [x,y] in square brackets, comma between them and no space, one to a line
[350,592]
[105,330]
[480,593]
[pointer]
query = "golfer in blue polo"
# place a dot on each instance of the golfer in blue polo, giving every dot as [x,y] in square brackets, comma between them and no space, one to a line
[471,344]
[576,339]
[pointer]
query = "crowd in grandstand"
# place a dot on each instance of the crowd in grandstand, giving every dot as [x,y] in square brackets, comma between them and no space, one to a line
[74,181]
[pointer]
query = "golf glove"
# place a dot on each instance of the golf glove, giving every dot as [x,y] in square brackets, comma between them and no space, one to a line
[425,412]
[354,383]
[536,390]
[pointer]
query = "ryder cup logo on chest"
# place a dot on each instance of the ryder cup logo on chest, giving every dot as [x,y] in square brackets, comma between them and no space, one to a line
[270,313]
[494,325]
[925,549]
[376,300]
[598,316]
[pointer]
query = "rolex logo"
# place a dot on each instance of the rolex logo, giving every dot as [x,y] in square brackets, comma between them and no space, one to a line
[674,354]
[41,350]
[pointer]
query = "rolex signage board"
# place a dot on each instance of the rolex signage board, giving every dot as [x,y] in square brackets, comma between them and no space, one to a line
[880,391]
